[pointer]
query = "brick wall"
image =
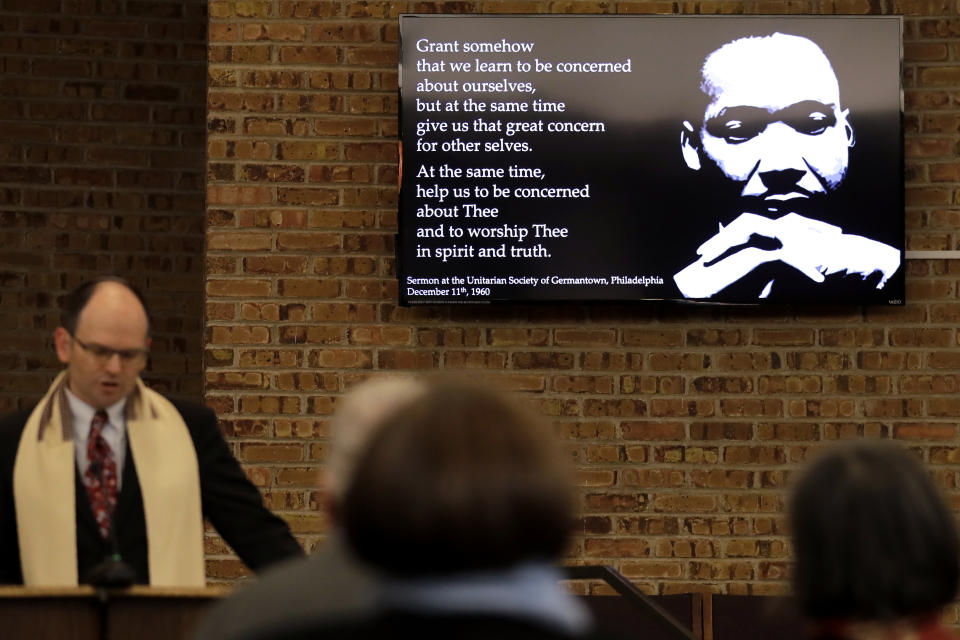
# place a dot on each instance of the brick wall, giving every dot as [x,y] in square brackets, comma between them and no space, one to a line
[101,171]
[684,424]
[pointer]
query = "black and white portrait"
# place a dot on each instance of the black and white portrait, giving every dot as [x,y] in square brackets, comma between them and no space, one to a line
[772,148]
[705,159]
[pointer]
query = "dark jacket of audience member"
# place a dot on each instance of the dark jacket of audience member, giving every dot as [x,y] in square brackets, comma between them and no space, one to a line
[456,501]
[876,547]
[332,586]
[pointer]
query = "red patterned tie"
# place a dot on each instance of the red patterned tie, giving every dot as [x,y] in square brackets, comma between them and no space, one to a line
[101,466]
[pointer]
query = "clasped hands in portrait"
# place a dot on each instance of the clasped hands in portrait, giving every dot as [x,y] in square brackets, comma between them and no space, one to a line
[815,248]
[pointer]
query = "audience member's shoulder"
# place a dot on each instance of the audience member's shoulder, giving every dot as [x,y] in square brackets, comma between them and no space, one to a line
[324,590]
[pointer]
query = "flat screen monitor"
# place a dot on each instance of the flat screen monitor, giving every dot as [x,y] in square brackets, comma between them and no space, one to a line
[741,159]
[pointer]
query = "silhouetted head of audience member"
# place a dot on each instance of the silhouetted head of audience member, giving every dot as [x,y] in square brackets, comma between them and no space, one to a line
[873,539]
[460,480]
[358,417]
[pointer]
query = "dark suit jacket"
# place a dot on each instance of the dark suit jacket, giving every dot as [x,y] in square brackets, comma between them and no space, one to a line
[330,586]
[230,501]
[433,627]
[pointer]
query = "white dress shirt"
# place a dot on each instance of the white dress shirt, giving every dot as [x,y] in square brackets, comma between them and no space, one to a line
[114,432]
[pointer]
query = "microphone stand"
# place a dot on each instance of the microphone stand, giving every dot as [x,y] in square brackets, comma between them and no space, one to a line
[111,572]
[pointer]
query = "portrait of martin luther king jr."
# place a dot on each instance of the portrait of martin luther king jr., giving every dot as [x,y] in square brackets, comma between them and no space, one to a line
[774,146]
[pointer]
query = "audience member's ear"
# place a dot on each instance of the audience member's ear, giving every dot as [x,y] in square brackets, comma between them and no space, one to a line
[690,146]
[331,506]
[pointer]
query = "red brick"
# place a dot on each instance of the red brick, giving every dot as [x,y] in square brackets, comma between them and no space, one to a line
[654,478]
[268,358]
[517,337]
[227,195]
[614,502]
[715,337]
[921,337]
[308,288]
[680,503]
[344,32]
[788,384]
[475,359]
[343,312]
[720,431]
[308,8]
[235,380]
[595,361]
[254,404]
[925,431]
[298,476]
[238,288]
[677,407]
[940,75]
[585,338]
[515,382]
[722,384]
[677,362]
[583,384]
[652,338]
[239,241]
[403,359]
[341,359]
[270,452]
[721,479]
[783,337]
[594,477]
[942,407]
[307,55]
[653,431]
[652,569]
[736,407]
[616,548]
[283,31]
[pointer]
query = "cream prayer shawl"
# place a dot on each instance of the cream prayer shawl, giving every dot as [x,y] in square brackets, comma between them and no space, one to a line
[169,476]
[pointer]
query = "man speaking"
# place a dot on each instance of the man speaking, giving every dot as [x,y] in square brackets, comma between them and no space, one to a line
[104,465]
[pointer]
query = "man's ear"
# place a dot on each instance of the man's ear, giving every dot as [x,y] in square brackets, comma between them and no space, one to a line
[851,137]
[689,146]
[62,342]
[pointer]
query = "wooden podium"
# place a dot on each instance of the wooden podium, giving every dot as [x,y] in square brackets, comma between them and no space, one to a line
[156,613]
[85,613]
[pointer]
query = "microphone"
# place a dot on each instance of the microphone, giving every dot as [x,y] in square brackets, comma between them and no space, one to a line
[112,571]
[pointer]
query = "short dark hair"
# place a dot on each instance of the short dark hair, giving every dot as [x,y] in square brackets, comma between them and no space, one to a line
[459,480]
[75,301]
[873,538]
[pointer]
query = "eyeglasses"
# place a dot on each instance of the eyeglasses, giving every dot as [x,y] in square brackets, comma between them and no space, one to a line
[104,354]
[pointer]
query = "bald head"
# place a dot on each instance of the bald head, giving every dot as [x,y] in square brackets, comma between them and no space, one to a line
[358,417]
[113,308]
[103,341]
[75,301]
[769,72]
